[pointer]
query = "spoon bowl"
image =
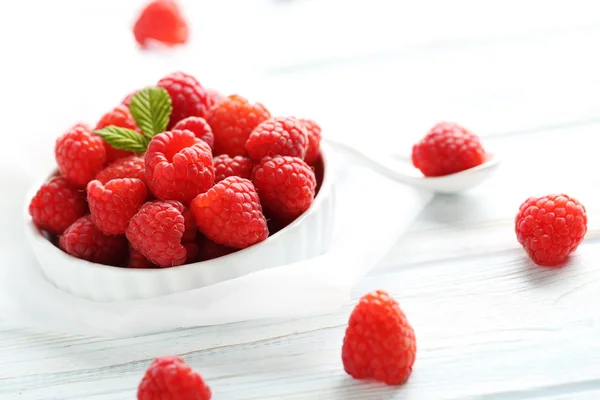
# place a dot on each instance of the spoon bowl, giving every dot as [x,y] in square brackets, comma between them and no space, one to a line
[400,168]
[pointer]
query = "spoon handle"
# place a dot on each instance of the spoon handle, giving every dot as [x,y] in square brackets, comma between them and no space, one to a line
[381,163]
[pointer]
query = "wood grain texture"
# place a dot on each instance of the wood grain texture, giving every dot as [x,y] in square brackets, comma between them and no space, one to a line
[489,324]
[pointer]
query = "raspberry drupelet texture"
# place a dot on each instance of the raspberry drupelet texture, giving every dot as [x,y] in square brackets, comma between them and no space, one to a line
[550,228]
[161,21]
[379,343]
[214,97]
[56,205]
[122,118]
[232,120]
[170,378]
[278,136]
[156,232]
[113,204]
[230,213]
[179,166]
[85,241]
[188,97]
[447,148]
[286,186]
[127,167]
[199,127]
[232,166]
[80,155]
[314,141]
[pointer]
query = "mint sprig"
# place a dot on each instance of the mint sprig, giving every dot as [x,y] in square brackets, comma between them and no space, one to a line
[124,139]
[151,109]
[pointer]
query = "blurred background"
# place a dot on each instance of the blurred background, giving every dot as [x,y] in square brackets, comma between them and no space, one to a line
[387,70]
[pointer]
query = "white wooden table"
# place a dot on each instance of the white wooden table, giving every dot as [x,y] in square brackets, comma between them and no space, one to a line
[489,323]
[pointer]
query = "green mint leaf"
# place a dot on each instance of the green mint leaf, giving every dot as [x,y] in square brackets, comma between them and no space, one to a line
[151,108]
[123,139]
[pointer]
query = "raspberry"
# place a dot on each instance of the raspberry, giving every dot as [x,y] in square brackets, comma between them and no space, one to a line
[314,141]
[137,260]
[286,186]
[230,213]
[199,127]
[214,97]
[189,234]
[447,149]
[169,377]
[279,136]
[80,155]
[156,232]
[56,205]
[227,166]
[161,21]
[179,166]
[232,121]
[112,205]
[188,97]
[550,228]
[83,240]
[209,250]
[127,100]
[379,342]
[127,167]
[81,125]
[122,118]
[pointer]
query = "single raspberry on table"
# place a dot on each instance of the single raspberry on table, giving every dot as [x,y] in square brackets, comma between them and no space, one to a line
[286,186]
[161,21]
[127,167]
[214,97]
[447,148]
[379,342]
[550,227]
[230,213]
[278,136]
[199,127]
[188,97]
[232,120]
[85,241]
[314,141]
[121,117]
[56,205]
[209,250]
[232,166]
[113,204]
[80,155]
[156,232]
[179,166]
[138,260]
[169,377]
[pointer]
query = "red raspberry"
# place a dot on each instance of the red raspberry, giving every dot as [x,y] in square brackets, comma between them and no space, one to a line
[230,213]
[447,149]
[83,240]
[199,127]
[122,118]
[279,136]
[114,204]
[286,186]
[161,21]
[187,95]
[127,100]
[314,141]
[137,260]
[179,166]
[80,155]
[127,167]
[550,228]
[156,232]
[209,250]
[169,377]
[189,235]
[232,121]
[237,166]
[379,342]
[214,97]
[56,205]
[81,125]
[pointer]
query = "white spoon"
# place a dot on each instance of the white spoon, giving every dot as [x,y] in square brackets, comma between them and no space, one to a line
[400,168]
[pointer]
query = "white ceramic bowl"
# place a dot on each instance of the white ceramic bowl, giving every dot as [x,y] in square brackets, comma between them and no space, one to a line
[308,236]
